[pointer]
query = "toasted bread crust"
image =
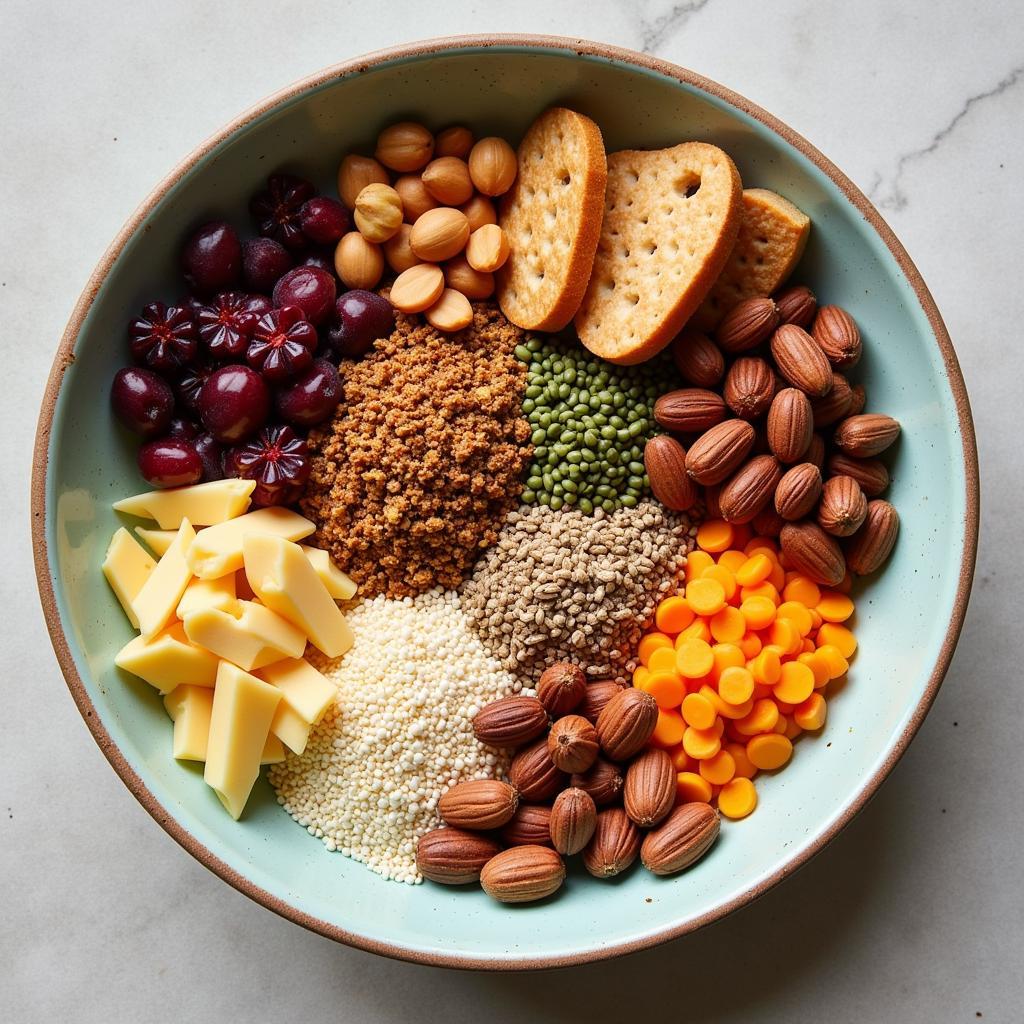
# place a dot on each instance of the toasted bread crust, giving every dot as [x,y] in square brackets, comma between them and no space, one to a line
[552,217]
[671,220]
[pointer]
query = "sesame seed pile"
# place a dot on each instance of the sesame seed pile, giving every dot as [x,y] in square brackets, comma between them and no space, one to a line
[567,586]
[399,733]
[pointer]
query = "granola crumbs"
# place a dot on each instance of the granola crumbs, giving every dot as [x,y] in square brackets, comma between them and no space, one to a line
[414,476]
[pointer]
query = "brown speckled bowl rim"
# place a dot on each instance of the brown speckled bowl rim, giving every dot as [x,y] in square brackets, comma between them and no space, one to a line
[65,355]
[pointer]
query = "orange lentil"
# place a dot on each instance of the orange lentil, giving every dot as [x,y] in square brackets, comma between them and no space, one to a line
[785,708]
[701,743]
[738,798]
[800,588]
[718,770]
[696,630]
[732,559]
[839,637]
[745,768]
[834,607]
[759,543]
[778,575]
[837,664]
[706,595]
[690,787]
[698,711]
[767,666]
[797,614]
[640,675]
[724,577]
[750,645]
[714,535]
[669,731]
[728,625]
[816,619]
[666,688]
[735,686]
[759,611]
[726,655]
[761,719]
[696,562]
[761,590]
[783,634]
[769,752]
[673,615]
[694,658]
[756,569]
[812,713]
[649,644]
[723,707]
[818,666]
[662,659]
[792,728]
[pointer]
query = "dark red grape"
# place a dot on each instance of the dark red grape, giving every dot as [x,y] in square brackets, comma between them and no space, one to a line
[182,430]
[211,454]
[323,220]
[312,398]
[263,262]
[282,344]
[191,383]
[226,325]
[277,209]
[258,304]
[212,258]
[360,318]
[234,403]
[322,261]
[163,337]
[310,288]
[278,460]
[142,401]
[170,462]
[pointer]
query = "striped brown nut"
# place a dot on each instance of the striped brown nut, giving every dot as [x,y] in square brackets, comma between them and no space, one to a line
[614,845]
[866,435]
[749,387]
[798,492]
[871,474]
[750,489]
[836,333]
[813,552]
[790,425]
[719,452]
[801,361]
[698,359]
[843,506]
[868,549]
[626,723]
[689,410]
[796,305]
[747,324]
[534,775]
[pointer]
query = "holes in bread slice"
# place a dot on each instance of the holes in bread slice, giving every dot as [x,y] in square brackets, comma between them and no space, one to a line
[687,184]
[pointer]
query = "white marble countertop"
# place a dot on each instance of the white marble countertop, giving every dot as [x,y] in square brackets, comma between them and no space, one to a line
[916,913]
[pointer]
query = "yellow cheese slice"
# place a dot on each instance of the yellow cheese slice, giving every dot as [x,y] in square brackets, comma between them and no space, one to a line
[243,708]
[255,638]
[127,566]
[306,691]
[190,707]
[338,584]
[283,579]
[290,728]
[155,603]
[273,751]
[200,594]
[218,550]
[158,541]
[167,660]
[201,504]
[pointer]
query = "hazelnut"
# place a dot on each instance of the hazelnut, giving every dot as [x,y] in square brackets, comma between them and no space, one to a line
[439,234]
[458,274]
[447,180]
[416,200]
[454,141]
[355,173]
[359,263]
[405,146]
[479,211]
[398,252]
[378,212]
[492,166]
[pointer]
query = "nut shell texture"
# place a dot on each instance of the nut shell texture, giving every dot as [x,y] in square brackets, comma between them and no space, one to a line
[523,874]
[626,723]
[688,833]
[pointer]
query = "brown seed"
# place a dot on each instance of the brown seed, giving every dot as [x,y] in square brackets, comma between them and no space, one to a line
[398,252]
[534,775]
[454,141]
[479,804]
[801,361]
[833,406]
[871,474]
[843,506]
[479,211]
[815,453]
[750,489]
[749,387]
[572,744]
[487,249]
[453,856]
[813,552]
[688,833]
[529,826]
[698,359]
[798,492]
[439,234]
[447,180]
[868,549]
[452,312]
[405,146]
[357,262]
[790,425]
[493,166]
[614,845]
[689,410]
[711,495]
[866,435]
[458,274]
[796,305]
[510,721]
[523,874]
[650,789]
[858,399]
[417,288]
[416,200]
[626,723]
[837,334]
[767,522]
[355,173]
[604,782]
[746,325]
[572,821]
[561,688]
[665,463]
[719,452]
[596,695]
[378,212]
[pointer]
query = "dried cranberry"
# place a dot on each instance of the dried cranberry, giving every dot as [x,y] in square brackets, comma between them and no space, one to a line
[234,403]
[323,220]
[170,462]
[282,344]
[191,383]
[313,396]
[163,337]
[277,459]
[226,325]
[142,401]
[212,258]
[277,209]
[361,317]
[263,262]
[311,289]
[211,454]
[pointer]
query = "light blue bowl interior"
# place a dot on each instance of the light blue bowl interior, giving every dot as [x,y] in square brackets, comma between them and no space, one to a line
[902,618]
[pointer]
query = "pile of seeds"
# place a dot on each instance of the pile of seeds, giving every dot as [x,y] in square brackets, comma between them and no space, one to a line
[400,733]
[589,422]
[565,586]
[424,459]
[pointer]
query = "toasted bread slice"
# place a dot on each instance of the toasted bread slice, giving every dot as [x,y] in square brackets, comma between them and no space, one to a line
[670,222]
[552,218]
[773,233]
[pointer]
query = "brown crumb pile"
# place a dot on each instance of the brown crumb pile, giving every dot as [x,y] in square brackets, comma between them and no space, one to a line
[416,473]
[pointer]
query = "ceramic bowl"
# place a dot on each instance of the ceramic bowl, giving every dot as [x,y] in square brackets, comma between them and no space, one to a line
[908,618]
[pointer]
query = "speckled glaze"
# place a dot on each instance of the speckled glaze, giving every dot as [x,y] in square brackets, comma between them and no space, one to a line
[498,84]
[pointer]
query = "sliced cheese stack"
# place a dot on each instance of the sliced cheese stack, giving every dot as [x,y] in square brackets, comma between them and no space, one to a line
[224,614]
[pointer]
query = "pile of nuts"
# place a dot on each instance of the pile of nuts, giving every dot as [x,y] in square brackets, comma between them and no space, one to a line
[423,206]
[580,754]
[752,438]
